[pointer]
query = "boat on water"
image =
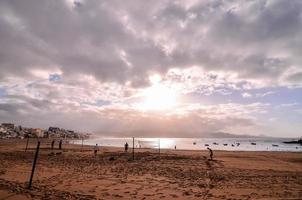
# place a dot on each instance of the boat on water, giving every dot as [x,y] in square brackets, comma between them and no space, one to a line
[225,144]
[275,145]
[294,142]
[215,143]
[253,143]
[206,145]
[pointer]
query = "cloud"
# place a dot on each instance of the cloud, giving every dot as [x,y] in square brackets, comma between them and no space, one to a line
[120,120]
[295,78]
[117,42]
[246,95]
[73,58]
[265,94]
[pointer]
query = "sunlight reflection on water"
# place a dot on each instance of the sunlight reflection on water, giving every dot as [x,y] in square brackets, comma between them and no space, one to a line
[229,144]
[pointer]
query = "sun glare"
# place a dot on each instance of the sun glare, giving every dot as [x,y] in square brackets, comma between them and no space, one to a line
[167,143]
[158,97]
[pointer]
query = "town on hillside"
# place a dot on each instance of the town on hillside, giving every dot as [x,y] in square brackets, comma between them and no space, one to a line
[10,130]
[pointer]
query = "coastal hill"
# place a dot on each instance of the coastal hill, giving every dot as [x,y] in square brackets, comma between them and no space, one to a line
[154,134]
[10,130]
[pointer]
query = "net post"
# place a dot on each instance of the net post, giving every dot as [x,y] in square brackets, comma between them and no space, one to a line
[133,148]
[26,144]
[34,165]
[159,146]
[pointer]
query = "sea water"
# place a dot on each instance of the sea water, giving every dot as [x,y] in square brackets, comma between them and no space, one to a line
[227,144]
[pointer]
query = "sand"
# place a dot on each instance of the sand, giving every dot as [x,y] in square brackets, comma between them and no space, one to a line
[75,173]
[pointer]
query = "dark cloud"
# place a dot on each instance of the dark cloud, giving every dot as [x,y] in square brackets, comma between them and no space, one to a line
[237,36]
[295,78]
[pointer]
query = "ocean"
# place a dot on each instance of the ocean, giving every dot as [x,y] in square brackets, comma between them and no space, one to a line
[227,144]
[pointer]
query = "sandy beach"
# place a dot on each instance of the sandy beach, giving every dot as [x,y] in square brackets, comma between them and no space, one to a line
[74,173]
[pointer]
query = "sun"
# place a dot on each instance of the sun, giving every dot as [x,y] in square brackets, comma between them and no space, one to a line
[158,97]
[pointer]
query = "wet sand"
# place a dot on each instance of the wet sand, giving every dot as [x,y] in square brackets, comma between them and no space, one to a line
[75,173]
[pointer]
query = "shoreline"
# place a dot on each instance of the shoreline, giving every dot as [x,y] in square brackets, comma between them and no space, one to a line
[187,144]
[47,141]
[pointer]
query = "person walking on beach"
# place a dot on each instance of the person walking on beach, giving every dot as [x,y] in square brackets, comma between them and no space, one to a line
[96,148]
[126,147]
[52,144]
[211,153]
[60,145]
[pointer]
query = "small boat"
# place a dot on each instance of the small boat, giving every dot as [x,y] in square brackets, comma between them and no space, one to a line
[194,143]
[275,145]
[225,144]
[253,143]
[238,143]
[294,142]
[206,145]
[233,145]
[215,143]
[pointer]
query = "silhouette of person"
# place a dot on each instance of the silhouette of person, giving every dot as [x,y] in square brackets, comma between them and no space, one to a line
[211,153]
[96,148]
[52,144]
[126,147]
[175,147]
[60,145]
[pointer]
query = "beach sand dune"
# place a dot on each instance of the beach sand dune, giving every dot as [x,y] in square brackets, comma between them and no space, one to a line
[75,173]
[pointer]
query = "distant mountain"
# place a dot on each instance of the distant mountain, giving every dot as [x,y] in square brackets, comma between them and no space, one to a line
[225,135]
[154,134]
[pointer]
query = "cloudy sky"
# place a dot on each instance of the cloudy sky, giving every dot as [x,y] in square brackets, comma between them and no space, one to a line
[149,68]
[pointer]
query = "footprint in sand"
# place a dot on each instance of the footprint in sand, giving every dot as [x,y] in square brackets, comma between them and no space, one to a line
[117,195]
[186,193]
[105,194]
